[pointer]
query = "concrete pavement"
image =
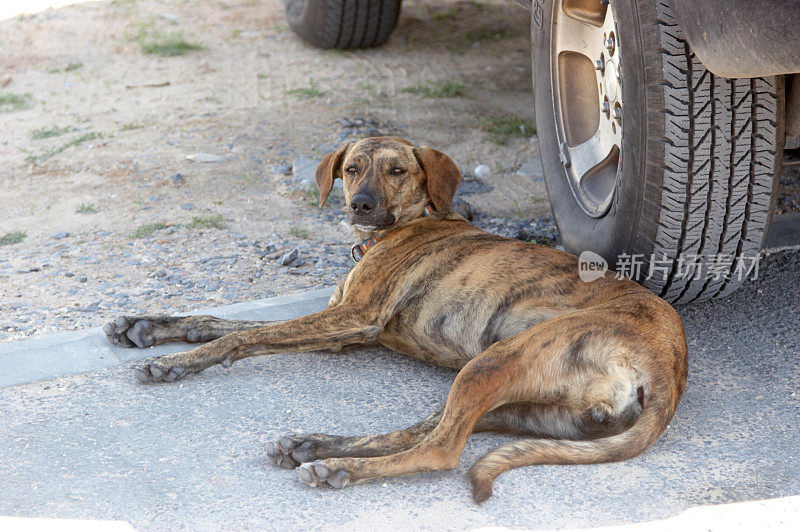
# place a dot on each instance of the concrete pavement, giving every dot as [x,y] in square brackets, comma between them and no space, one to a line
[76,352]
[98,445]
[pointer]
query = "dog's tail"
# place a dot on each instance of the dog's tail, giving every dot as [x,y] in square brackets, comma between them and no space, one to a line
[635,440]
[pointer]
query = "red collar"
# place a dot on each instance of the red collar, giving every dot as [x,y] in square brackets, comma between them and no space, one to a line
[358,250]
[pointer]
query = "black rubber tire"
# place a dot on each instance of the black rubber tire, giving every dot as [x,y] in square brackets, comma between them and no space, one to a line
[700,157]
[343,23]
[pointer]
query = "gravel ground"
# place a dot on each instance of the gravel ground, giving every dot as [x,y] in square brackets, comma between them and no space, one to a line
[96,275]
[789,184]
[160,184]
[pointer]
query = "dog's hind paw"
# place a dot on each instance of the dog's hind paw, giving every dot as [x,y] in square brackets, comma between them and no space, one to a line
[318,474]
[127,331]
[289,452]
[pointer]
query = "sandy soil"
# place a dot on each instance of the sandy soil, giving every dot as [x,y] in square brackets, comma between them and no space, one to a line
[255,96]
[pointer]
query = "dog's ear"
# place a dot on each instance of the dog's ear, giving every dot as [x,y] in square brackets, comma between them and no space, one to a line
[329,169]
[443,176]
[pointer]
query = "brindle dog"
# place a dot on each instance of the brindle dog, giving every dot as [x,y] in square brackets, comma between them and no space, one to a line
[585,372]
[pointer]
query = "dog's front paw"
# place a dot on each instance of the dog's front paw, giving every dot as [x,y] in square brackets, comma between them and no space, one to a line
[128,331]
[290,451]
[160,369]
[320,473]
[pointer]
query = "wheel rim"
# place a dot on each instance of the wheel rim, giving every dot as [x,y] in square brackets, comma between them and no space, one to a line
[587,99]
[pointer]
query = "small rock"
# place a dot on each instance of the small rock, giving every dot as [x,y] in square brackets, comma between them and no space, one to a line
[177,178]
[473,186]
[532,167]
[59,235]
[169,17]
[280,169]
[82,279]
[205,158]
[169,230]
[187,206]
[482,171]
[269,247]
[160,273]
[304,170]
[289,257]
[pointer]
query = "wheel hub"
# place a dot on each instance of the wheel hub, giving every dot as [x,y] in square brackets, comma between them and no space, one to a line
[610,81]
[587,79]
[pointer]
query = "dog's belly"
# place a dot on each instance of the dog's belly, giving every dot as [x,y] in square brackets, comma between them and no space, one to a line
[451,333]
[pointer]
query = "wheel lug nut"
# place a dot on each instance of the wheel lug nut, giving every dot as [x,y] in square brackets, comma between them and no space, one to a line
[610,44]
[600,64]
[605,108]
[618,113]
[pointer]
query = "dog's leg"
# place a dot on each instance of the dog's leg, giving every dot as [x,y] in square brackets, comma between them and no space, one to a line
[295,449]
[329,329]
[484,383]
[147,331]
[338,294]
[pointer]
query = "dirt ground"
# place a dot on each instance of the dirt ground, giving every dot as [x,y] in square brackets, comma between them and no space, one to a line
[112,217]
[103,212]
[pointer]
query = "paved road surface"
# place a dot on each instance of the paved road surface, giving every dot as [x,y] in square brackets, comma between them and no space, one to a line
[191,454]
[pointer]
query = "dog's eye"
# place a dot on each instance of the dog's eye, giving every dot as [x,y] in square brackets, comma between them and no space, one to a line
[351,170]
[397,171]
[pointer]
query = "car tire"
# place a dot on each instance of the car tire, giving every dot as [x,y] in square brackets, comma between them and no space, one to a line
[696,160]
[343,23]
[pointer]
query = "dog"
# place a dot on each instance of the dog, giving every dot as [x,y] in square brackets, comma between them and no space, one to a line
[584,372]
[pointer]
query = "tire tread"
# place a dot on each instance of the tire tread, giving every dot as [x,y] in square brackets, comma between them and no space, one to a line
[720,159]
[344,23]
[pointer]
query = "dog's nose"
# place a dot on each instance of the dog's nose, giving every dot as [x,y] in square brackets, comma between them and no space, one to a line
[362,203]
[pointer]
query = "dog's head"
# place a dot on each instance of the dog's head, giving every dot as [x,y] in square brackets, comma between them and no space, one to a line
[388,181]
